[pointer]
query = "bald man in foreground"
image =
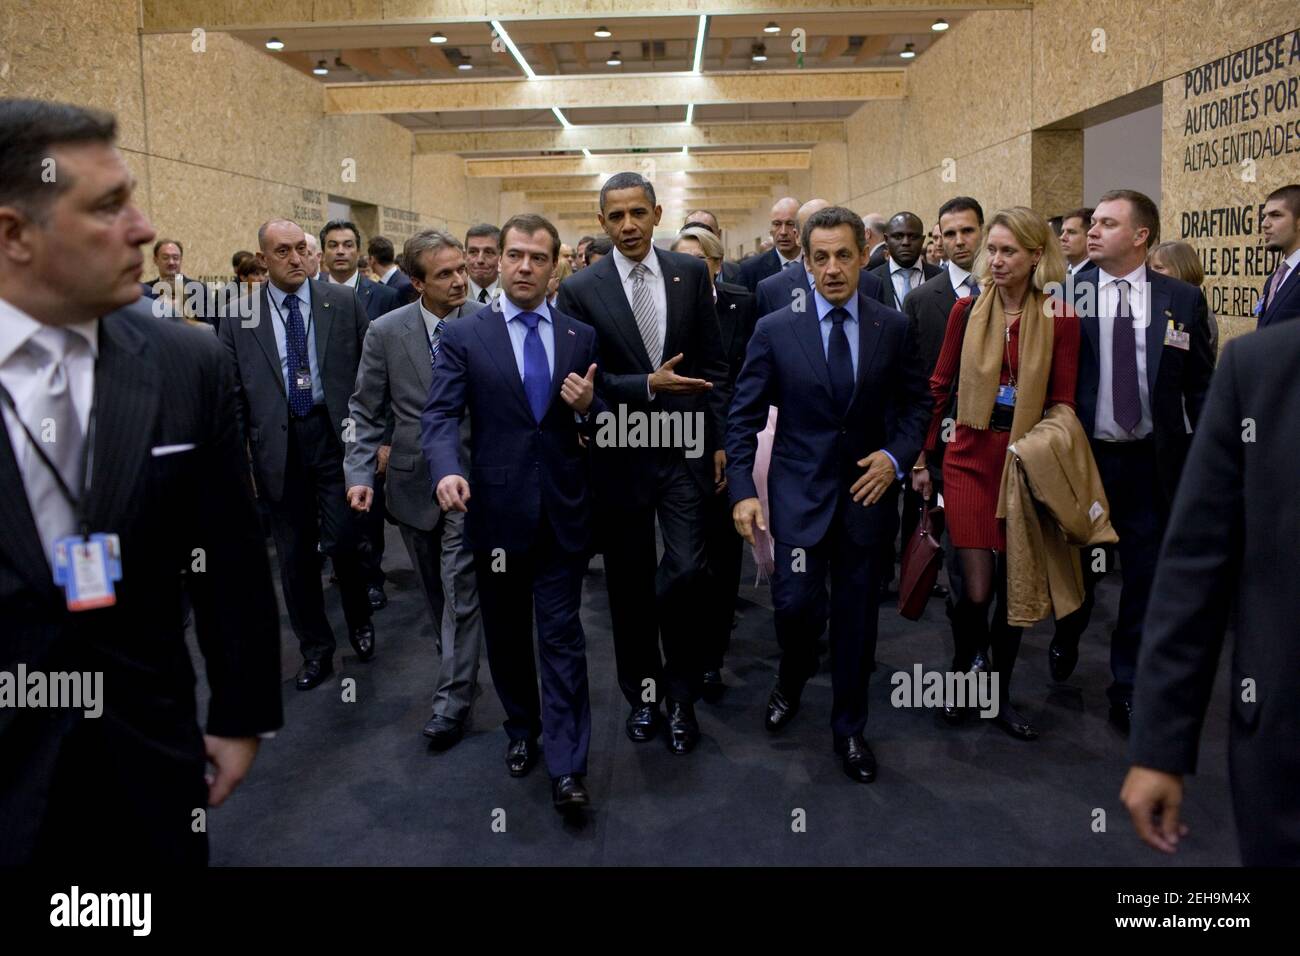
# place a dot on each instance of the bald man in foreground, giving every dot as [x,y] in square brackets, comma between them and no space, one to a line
[785,245]
[295,366]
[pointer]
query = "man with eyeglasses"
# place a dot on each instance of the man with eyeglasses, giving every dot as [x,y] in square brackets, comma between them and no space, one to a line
[785,245]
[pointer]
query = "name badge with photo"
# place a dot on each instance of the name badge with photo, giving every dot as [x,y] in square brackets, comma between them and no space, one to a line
[1006,396]
[1177,337]
[86,568]
[302,380]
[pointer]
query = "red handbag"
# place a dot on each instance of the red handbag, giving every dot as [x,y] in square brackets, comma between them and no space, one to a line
[922,556]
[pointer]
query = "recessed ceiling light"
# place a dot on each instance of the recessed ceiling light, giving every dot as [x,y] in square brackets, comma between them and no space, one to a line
[772,27]
[758,53]
[909,51]
[939,25]
[614,59]
[465,64]
[275,44]
[437,38]
[603,32]
[321,69]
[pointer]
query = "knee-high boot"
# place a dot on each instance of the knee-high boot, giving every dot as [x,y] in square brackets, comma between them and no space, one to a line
[1004,642]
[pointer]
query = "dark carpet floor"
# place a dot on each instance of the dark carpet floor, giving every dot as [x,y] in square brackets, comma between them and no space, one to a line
[354,783]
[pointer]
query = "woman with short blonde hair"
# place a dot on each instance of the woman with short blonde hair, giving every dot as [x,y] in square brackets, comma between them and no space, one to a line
[1179,260]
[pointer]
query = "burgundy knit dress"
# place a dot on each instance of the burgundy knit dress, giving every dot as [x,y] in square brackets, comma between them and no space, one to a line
[973,458]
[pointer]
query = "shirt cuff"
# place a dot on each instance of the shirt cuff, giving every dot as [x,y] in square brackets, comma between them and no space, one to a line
[898,473]
[650,394]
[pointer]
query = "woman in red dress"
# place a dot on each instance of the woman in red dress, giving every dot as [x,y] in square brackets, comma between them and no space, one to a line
[1009,353]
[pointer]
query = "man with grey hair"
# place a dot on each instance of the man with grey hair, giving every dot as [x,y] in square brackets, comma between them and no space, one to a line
[785,245]
[394,376]
[794,285]
[311,261]
[875,225]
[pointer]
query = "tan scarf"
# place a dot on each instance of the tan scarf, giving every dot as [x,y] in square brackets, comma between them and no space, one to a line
[982,350]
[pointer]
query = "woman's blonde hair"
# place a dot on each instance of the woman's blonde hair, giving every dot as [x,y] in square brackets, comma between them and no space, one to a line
[562,269]
[1181,260]
[1033,234]
[710,243]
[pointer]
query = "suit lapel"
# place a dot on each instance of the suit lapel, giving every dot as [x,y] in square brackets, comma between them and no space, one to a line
[868,342]
[675,300]
[490,324]
[610,291]
[1288,289]
[808,333]
[264,332]
[126,404]
[1088,316]
[1156,323]
[322,320]
[415,342]
[21,541]
[725,307]
[565,339]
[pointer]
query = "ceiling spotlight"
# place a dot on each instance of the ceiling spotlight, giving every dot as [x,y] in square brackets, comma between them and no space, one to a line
[465,64]
[759,53]
[939,25]
[321,69]
[909,51]
[275,43]
[772,27]
[614,59]
[603,32]
[438,38]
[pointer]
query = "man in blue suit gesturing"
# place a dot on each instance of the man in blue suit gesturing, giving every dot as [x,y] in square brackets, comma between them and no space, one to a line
[529,522]
[845,374]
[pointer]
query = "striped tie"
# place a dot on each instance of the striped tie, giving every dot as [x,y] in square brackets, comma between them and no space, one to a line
[647,319]
[435,342]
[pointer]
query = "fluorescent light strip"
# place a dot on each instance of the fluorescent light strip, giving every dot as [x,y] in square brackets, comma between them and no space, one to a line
[586,152]
[699,43]
[690,113]
[514,50]
[561,117]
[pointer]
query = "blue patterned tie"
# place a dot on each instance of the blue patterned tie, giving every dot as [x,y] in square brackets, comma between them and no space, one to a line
[295,347]
[537,377]
[435,343]
[973,286]
[839,361]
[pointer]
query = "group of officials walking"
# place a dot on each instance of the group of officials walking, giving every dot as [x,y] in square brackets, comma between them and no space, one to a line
[484,420]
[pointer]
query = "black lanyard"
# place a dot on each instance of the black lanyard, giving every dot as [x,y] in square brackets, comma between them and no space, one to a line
[76,501]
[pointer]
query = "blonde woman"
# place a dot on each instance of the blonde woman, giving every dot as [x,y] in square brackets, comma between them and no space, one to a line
[1179,260]
[1010,352]
[562,271]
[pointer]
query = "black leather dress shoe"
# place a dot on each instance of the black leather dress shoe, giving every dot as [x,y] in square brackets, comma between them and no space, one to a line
[939,591]
[377,598]
[642,722]
[363,641]
[1015,723]
[520,756]
[1061,658]
[683,728]
[313,673]
[443,732]
[781,708]
[568,792]
[1121,715]
[858,760]
[713,686]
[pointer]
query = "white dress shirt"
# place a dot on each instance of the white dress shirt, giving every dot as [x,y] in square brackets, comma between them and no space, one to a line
[431,322]
[388,273]
[960,279]
[783,260]
[899,275]
[1072,270]
[654,279]
[352,281]
[475,289]
[1107,305]
[22,374]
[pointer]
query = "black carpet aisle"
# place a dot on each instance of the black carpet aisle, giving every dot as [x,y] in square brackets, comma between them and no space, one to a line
[354,783]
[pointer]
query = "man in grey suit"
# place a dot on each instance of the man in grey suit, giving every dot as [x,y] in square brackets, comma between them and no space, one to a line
[395,373]
[295,364]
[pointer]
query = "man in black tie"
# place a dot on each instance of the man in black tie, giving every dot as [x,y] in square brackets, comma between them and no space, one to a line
[662,361]
[483,261]
[524,372]
[295,368]
[120,778]
[1145,363]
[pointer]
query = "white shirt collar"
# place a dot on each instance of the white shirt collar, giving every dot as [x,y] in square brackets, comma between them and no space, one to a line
[354,280]
[895,267]
[1292,261]
[1136,279]
[626,265]
[430,319]
[957,274]
[783,260]
[17,327]
[388,272]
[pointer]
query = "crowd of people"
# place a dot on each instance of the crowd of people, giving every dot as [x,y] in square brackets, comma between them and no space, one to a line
[1053,389]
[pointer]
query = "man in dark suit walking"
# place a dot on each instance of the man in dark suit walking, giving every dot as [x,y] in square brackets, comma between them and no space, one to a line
[1280,224]
[661,361]
[525,373]
[1231,543]
[790,286]
[852,403]
[83,363]
[173,294]
[904,270]
[393,381]
[785,245]
[1144,363]
[383,255]
[341,244]
[295,368]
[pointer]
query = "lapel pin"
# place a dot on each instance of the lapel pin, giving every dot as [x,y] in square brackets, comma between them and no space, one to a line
[677,278]
[733,305]
[1168,313]
[571,332]
[326,304]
